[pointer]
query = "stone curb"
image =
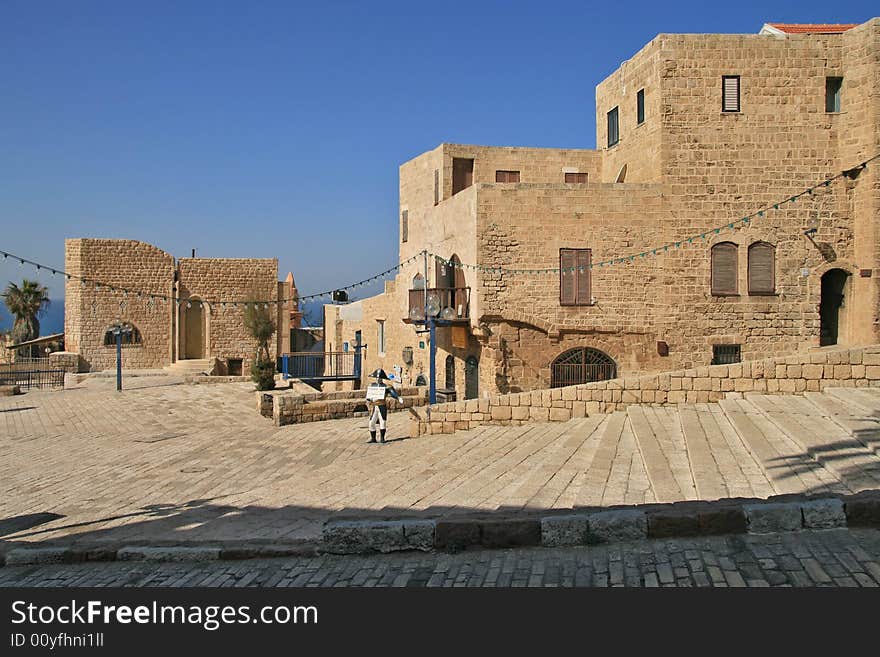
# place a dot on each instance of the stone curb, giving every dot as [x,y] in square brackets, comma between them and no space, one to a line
[588,526]
[784,513]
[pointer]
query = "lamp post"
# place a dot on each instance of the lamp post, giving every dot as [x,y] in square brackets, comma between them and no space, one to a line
[118,330]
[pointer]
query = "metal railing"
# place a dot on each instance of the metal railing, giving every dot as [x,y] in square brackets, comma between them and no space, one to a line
[31,378]
[322,365]
[456,298]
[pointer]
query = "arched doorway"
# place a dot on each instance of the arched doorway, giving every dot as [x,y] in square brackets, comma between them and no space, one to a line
[471,378]
[450,373]
[194,346]
[581,365]
[831,305]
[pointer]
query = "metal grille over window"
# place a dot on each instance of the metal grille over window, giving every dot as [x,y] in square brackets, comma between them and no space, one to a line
[730,93]
[581,365]
[724,268]
[725,354]
[762,268]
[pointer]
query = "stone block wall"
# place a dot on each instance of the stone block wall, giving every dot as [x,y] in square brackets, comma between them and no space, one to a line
[89,312]
[795,374]
[65,360]
[285,407]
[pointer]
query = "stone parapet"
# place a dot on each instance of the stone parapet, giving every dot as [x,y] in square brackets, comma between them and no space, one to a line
[807,371]
[289,407]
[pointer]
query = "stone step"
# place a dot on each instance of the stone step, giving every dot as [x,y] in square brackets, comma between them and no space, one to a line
[658,435]
[821,439]
[863,428]
[708,480]
[859,402]
[787,468]
[190,365]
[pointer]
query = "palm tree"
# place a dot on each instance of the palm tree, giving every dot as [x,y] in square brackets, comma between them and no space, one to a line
[26,304]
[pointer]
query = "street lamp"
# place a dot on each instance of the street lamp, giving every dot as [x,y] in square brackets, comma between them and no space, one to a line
[432,309]
[119,329]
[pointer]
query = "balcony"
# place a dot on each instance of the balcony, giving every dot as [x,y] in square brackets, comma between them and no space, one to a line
[453,303]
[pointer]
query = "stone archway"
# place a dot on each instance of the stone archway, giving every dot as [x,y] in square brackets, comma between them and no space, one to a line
[581,365]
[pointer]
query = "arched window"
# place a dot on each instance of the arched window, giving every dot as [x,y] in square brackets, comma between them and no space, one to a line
[129,338]
[762,268]
[581,365]
[724,269]
[418,282]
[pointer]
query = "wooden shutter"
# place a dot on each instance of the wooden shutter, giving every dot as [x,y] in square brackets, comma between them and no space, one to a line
[507,176]
[582,278]
[441,274]
[724,268]
[762,268]
[404,226]
[436,186]
[730,93]
[575,177]
[567,290]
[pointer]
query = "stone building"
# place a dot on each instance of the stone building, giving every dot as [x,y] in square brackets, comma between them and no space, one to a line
[695,132]
[129,281]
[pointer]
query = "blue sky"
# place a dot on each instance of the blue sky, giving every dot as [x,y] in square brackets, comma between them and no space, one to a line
[276,129]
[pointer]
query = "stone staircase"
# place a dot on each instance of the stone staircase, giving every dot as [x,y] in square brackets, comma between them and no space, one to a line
[753,444]
[190,366]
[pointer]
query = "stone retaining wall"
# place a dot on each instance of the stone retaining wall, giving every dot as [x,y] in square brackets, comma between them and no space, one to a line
[805,371]
[287,407]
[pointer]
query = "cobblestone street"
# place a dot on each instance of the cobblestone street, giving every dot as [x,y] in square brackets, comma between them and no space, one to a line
[845,558]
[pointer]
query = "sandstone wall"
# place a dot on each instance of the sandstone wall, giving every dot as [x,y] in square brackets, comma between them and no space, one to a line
[89,312]
[806,371]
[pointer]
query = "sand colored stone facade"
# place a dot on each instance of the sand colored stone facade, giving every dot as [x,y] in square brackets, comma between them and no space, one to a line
[686,169]
[208,323]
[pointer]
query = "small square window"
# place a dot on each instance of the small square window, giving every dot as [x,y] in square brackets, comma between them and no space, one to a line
[832,94]
[613,128]
[726,354]
[640,107]
[730,93]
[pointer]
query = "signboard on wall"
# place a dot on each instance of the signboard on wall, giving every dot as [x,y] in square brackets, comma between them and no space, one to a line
[460,337]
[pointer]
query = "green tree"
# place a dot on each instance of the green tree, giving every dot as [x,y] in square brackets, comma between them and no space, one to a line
[26,303]
[258,321]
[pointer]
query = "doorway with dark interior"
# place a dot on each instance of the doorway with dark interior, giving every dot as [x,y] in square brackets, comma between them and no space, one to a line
[831,306]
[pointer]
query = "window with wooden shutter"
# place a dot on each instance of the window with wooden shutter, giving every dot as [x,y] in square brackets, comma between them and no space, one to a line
[724,268]
[436,186]
[575,177]
[507,176]
[404,226]
[762,268]
[574,277]
[730,93]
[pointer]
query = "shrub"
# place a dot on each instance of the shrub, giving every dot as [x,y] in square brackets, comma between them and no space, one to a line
[263,373]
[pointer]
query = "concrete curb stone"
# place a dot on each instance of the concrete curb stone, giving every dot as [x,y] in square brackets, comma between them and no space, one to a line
[773,517]
[147,553]
[618,525]
[823,514]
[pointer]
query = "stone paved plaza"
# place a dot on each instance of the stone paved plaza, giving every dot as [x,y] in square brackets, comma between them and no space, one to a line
[163,462]
[838,558]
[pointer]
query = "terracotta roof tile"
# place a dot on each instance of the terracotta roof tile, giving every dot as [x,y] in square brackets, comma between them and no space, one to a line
[813,28]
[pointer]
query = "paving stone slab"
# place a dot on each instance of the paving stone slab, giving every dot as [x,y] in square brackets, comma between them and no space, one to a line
[823,514]
[773,517]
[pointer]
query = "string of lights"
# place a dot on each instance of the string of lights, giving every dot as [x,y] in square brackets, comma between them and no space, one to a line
[626,259]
